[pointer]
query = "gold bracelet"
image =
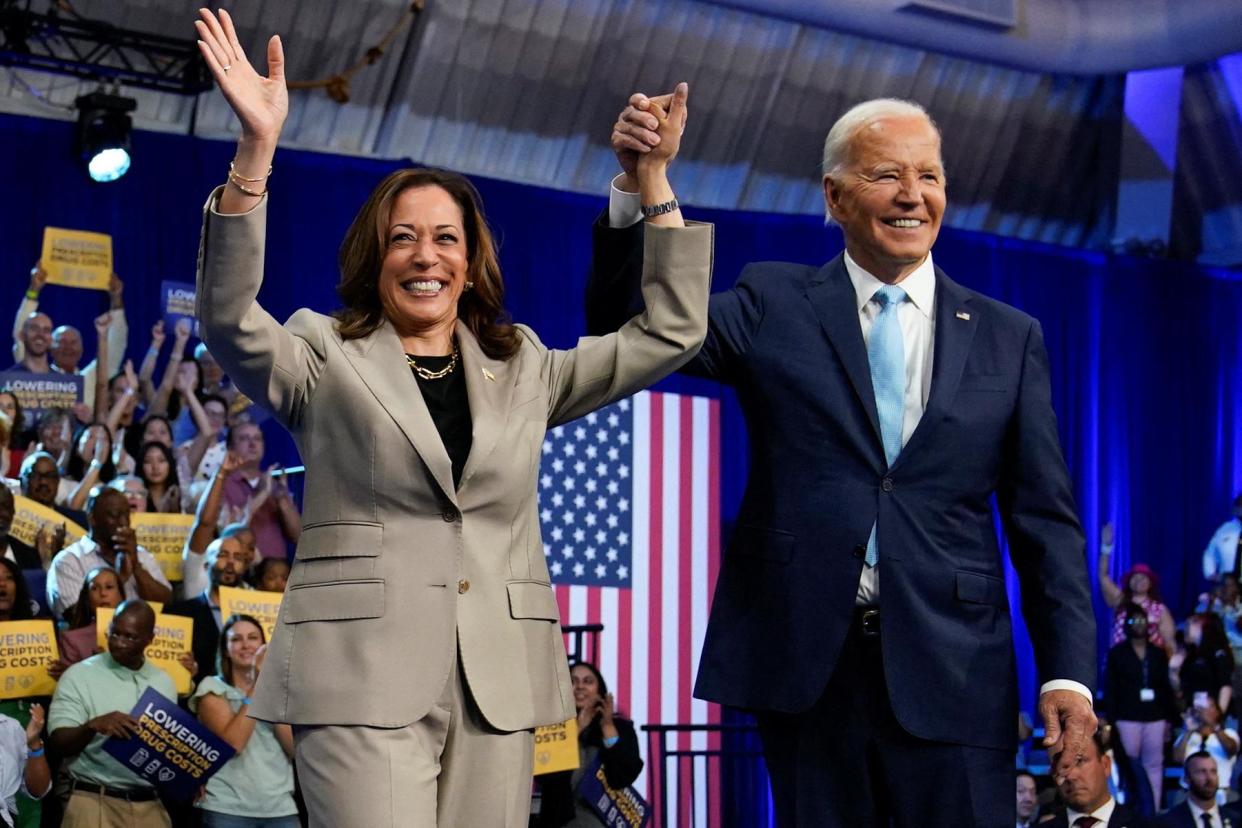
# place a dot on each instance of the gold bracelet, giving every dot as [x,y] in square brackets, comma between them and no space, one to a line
[234,174]
[246,189]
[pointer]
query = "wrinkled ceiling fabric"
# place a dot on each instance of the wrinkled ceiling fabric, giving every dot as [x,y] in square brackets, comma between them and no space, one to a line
[527,90]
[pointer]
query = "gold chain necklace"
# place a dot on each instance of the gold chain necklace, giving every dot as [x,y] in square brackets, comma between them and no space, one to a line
[427,373]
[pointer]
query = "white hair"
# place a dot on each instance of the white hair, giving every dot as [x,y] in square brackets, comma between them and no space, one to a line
[838,144]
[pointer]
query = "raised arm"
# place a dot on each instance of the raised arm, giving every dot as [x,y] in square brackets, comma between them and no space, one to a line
[181,335]
[270,363]
[1108,587]
[146,372]
[29,304]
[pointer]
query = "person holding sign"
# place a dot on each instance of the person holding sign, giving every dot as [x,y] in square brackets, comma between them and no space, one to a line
[111,542]
[604,740]
[23,767]
[420,570]
[91,704]
[255,787]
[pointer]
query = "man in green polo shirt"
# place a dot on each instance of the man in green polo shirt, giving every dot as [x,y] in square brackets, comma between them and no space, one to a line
[92,702]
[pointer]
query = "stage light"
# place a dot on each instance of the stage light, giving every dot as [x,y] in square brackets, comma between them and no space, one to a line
[103,134]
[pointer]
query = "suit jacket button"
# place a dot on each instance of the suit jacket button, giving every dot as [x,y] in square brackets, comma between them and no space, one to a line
[449,514]
[860,551]
[887,484]
[463,586]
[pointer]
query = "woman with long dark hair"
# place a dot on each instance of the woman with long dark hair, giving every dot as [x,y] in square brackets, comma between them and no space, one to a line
[254,789]
[1208,665]
[420,411]
[157,468]
[603,735]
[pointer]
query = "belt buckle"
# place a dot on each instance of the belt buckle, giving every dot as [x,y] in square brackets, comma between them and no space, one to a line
[869,622]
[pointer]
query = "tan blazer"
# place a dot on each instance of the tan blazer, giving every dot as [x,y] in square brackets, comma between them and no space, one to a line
[395,569]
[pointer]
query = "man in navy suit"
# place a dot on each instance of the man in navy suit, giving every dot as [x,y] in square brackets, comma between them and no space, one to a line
[1200,809]
[861,609]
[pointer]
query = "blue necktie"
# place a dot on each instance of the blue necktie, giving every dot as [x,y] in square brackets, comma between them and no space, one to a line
[887,356]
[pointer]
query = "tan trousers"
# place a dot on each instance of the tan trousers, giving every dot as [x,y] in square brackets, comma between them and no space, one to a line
[450,769]
[94,810]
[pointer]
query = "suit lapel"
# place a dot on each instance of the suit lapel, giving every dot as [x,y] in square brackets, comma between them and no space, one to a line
[832,296]
[956,323]
[489,386]
[380,362]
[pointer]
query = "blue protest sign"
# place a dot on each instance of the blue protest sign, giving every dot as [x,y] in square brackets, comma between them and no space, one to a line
[173,751]
[177,300]
[623,808]
[39,392]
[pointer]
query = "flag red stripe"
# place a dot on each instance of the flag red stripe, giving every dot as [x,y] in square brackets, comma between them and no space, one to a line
[593,617]
[655,558]
[713,569]
[685,613]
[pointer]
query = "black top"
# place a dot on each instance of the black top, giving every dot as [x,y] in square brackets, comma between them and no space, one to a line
[1124,682]
[449,407]
[1205,673]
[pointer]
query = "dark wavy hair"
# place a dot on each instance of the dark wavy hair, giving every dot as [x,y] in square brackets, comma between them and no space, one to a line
[1214,641]
[362,253]
[76,467]
[19,434]
[22,609]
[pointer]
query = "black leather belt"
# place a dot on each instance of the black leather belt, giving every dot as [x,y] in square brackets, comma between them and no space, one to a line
[128,794]
[868,620]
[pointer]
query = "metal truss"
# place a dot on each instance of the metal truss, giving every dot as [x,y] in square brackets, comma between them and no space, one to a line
[99,51]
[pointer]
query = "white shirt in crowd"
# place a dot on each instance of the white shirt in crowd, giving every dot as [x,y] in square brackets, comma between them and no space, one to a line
[1103,813]
[917,318]
[13,754]
[69,568]
[1221,550]
[1198,813]
[1224,762]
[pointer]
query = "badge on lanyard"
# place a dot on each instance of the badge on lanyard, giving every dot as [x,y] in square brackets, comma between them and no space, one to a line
[1147,694]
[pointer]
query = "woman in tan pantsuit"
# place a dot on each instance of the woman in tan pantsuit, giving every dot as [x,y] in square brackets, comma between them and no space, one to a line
[419,641]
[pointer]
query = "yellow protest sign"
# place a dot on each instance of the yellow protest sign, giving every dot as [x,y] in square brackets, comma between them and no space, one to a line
[26,649]
[556,747]
[163,535]
[264,606]
[29,517]
[77,258]
[173,638]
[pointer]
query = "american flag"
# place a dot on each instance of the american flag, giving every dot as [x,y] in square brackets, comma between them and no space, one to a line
[629,500]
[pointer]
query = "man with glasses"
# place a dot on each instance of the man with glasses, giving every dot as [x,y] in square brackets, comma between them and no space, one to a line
[111,543]
[92,703]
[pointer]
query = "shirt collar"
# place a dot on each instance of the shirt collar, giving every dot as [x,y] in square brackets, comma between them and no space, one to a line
[1198,812]
[920,285]
[1103,813]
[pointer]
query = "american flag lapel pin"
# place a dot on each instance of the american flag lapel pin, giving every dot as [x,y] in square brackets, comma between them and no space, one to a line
[963,315]
[489,375]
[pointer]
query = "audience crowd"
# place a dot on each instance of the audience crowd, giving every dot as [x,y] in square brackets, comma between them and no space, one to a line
[189,443]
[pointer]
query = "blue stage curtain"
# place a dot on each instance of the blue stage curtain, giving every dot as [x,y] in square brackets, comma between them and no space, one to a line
[1145,354]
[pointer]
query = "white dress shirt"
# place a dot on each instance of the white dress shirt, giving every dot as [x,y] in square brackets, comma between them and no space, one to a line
[69,568]
[917,318]
[1221,550]
[13,756]
[1103,813]
[1197,813]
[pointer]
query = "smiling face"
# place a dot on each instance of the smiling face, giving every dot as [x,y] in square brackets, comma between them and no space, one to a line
[67,348]
[890,197]
[425,261]
[8,407]
[42,481]
[36,334]
[586,686]
[244,640]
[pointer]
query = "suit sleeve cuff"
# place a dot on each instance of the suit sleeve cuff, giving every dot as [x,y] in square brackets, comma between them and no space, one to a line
[624,209]
[1067,684]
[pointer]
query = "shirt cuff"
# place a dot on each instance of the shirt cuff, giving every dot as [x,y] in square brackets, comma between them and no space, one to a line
[624,209]
[1067,684]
